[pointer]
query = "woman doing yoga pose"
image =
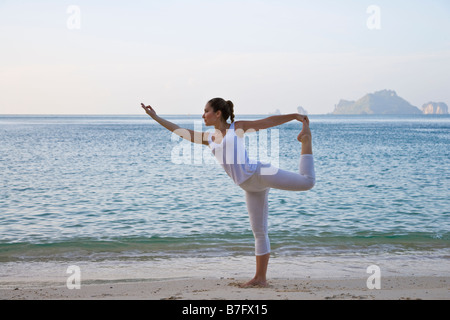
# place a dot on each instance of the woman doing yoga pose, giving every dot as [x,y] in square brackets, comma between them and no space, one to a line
[254,177]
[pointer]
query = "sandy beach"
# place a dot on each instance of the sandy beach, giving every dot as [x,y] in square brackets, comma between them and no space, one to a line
[392,288]
[219,278]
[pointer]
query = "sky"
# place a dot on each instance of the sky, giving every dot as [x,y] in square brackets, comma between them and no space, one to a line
[106,57]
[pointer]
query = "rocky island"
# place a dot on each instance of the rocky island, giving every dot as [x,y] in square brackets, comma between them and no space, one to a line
[302,110]
[435,108]
[380,102]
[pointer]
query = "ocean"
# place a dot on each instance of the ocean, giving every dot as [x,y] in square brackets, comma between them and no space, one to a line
[124,198]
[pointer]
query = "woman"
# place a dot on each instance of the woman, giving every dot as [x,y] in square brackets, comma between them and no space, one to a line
[255,178]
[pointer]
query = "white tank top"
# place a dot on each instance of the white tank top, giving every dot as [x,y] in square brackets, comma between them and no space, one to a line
[232,156]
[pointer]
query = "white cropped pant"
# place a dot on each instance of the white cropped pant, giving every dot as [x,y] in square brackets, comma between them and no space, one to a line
[257,189]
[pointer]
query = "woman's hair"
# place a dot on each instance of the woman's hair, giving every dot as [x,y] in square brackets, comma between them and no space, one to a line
[226,107]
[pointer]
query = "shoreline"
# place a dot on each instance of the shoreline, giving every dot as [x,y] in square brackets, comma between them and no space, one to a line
[392,288]
[412,276]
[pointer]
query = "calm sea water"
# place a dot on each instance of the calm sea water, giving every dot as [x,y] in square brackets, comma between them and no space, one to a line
[102,187]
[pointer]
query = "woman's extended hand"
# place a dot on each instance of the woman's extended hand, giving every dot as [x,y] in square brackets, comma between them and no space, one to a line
[149,110]
[301,118]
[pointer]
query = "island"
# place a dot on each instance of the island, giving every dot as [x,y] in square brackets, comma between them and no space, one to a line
[275,113]
[302,110]
[380,102]
[435,108]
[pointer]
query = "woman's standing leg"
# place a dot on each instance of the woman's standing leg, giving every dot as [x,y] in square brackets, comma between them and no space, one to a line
[258,211]
[257,202]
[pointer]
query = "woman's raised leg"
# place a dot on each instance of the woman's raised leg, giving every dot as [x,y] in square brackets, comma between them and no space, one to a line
[303,180]
[305,138]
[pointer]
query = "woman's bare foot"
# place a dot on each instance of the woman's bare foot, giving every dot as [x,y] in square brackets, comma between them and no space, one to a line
[255,283]
[305,134]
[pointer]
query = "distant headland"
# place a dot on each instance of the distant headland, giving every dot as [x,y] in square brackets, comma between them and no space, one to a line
[387,102]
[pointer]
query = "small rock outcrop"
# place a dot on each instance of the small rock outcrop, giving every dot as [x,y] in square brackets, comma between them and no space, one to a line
[435,108]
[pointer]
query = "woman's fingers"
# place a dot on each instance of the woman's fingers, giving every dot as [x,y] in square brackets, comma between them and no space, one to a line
[302,118]
[146,107]
[149,110]
[306,119]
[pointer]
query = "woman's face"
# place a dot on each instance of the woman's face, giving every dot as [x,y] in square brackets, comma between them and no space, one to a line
[210,116]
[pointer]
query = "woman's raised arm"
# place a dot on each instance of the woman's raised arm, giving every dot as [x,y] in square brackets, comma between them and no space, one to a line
[190,135]
[269,122]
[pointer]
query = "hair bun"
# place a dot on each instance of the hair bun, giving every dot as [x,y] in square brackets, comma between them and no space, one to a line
[231,110]
[225,106]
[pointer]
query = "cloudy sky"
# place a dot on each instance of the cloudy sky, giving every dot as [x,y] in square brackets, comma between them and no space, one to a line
[106,57]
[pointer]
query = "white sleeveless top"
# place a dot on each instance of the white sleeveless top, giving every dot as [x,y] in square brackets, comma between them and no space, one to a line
[233,157]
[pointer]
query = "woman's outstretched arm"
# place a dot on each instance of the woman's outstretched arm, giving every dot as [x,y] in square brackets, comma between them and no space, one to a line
[190,135]
[269,122]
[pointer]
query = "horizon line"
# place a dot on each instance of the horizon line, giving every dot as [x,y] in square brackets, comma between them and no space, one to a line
[199,114]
